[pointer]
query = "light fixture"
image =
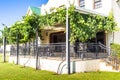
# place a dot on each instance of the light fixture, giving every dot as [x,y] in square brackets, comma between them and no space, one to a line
[46,33]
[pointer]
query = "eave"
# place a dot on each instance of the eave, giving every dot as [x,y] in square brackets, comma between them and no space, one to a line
[87,11]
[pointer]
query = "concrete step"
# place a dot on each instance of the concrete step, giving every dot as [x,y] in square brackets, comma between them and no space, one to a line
[105,67]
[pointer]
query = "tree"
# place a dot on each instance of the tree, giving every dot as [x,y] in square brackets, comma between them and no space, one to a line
[34,23]
[1,41]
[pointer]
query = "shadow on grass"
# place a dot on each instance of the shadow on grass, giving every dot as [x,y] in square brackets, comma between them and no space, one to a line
[3,62]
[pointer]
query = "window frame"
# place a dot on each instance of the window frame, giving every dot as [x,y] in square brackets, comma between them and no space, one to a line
[82,3]
[97,4]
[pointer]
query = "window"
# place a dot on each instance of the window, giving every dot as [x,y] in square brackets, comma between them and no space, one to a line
[82,3]
[97,4]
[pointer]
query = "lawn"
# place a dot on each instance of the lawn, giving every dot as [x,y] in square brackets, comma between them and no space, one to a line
[15,72]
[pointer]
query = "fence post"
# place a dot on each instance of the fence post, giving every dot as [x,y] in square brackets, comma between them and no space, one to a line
[96,46]
[17,49]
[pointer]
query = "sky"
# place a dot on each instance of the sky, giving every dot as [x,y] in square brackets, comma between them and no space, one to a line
[13,10]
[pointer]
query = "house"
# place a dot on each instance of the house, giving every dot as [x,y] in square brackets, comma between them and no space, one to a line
[55,34]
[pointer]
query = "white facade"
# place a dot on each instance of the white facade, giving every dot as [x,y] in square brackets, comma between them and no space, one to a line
[105,9]
[53,4]
[89,4]
[116,13]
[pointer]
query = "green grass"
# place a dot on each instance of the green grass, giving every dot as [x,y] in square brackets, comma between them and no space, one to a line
[14,72]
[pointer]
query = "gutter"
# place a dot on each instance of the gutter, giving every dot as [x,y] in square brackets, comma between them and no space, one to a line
[87,11]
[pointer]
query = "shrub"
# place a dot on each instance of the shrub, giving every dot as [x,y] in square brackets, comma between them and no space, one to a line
[116,48]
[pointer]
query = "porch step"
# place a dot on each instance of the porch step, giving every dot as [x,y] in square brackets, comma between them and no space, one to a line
[104,66]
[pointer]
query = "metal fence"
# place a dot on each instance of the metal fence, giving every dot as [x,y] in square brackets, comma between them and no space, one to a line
[44,50]
[91,50]
[78,50]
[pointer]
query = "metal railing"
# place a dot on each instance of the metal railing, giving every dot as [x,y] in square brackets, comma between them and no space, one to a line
[112,58]
[44,50]
[91,50]
[114,61]
[78,50]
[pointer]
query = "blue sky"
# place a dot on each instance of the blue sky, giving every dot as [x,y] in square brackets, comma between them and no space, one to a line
[13,10]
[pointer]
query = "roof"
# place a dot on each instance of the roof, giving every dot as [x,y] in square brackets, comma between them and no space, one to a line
[35,10]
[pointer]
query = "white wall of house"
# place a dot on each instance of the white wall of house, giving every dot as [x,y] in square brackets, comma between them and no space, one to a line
[89,4]
[54,4]
[51,4]
[109,40]
[105,9]
[116,11]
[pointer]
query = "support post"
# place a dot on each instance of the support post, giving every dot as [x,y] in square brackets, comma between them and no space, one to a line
[67,42]
[37,49]
[4,50]
[4,45]
[96,46]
